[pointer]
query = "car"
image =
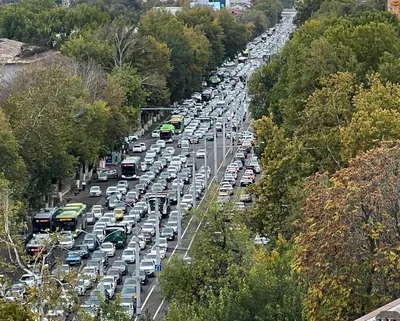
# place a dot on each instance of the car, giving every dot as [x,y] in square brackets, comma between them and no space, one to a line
[246,180]
[83,250]
[122,189]
[100,234]
[128,256]
[90,273]
[129,291]
[201,153]
[160,143]
[108,248]
[81,287]
[148,230]
[170,150]
[102,177]
[148,266]
[111,190]
[149,160]
[260,240]
[111,173]
[155,148]
[17,291]
[173,225]
[209,136]
[95,191]
[90,241]
[121,265]
[67,242]
[168,233]
[155,133]
[108,287]
[194,139]
[129,310]
[102,256]
[142,243]
[116,273]
[137,148]
[29,279]
[245,197]
[73,258]
[157,188]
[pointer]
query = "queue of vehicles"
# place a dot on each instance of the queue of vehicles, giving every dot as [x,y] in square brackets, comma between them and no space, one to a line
[156,180]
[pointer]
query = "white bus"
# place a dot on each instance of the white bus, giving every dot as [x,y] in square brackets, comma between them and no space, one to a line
[130,167]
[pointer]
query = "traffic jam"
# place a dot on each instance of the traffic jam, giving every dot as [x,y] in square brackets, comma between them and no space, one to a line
[118,244]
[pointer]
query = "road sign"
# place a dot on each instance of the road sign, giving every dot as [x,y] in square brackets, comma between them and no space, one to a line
[158,267]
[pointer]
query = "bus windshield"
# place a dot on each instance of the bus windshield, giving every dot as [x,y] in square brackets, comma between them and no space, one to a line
[165,135]
[128,169]
[66,224]
[40,225]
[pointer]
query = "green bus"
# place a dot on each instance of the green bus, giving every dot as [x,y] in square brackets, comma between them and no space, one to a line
[178,122]
[117,234]
[72,218]
[167,133]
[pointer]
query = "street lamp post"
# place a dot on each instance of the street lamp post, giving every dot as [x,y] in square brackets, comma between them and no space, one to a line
[179,212]
[215,155]
[223,139]
[205,161]
[137,268]
[158,259]
[193,180]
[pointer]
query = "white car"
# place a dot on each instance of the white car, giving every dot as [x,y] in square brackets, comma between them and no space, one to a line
[97,212]
[111,216]
[110,279]
[170,150]
[122,188]
[137,148]
[111,189]
[160,143]
[67,242]
[128,256]
[30,280]
[149,160]
[90,272]
[142,243]
[163,252]
[155,148]
[148,266]
[108,287]
[143,146]
[260,240]
[100,234]
[201,153]
[109,248]
[129,310]
[95,191]
[155,133]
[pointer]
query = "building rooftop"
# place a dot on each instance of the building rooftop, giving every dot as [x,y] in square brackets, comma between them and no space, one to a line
[383,312]
[15,52]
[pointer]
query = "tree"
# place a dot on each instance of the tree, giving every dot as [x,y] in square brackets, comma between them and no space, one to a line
[204,18]
[235,33]
[327,110]
[13,311]
[348,245]
[44,111]
[375,118]
[285,163]
[259,20]
[11,163]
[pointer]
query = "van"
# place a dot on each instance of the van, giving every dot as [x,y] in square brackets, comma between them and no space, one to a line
[218,127]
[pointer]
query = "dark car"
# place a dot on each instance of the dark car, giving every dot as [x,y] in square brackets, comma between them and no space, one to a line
[121,265]
[168,233]
[83,250]
[173,197]
[166,175]
[116,273]
[100,255]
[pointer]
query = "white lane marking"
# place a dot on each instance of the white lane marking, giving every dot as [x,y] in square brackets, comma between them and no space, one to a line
[158,309]
[184,232]
[191,241]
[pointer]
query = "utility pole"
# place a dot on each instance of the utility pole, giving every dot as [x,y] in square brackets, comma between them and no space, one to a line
[194,180]
[158,259]
[215,155]
[179,213]
[231,133]
[137,263]
[205,162]
[223,140]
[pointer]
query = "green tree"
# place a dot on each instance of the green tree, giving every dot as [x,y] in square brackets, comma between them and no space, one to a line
[44,110]
[375,118]
[235,33]
[258,18]
[14,311]
[11,164]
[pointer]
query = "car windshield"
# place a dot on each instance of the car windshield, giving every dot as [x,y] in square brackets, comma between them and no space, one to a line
[148,225]
[128,252]
[107,246]
[129,289]
[147,263]
[73,253]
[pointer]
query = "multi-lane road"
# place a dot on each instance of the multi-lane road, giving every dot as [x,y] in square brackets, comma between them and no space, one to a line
[151,300]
